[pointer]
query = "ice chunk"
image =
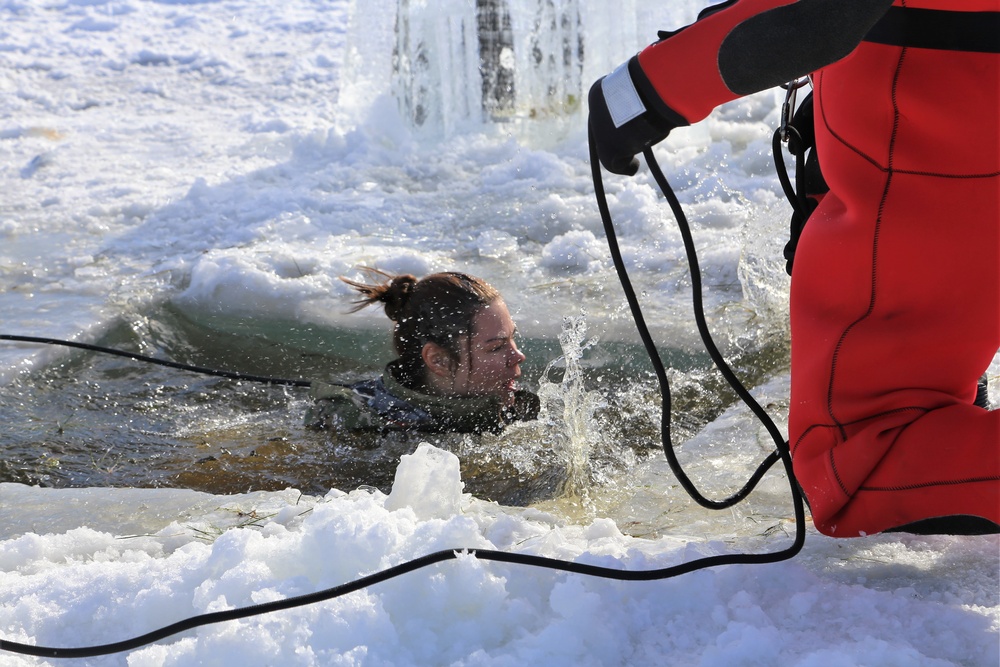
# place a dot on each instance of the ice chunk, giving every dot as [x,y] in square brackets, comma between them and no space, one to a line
[429,482]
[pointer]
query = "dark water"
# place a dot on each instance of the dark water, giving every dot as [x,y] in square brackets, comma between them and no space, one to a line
[99,420]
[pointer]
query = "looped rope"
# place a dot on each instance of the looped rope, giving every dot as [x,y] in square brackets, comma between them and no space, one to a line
[781,453]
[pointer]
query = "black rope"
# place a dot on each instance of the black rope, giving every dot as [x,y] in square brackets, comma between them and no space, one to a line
[159,362]
[781,448]
[794,194]
[781,453]
[391,573]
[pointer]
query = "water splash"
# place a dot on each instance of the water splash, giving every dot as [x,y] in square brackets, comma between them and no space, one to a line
[761,269]
[569,407]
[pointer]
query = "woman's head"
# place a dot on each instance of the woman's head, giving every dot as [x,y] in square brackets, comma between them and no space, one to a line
[453,332]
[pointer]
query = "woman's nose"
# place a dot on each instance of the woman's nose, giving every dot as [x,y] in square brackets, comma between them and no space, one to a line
[518,356]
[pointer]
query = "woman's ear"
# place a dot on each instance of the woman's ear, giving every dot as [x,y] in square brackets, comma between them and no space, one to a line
[437,359]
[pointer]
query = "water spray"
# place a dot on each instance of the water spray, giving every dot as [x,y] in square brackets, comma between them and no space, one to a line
[781,453]
[576,411]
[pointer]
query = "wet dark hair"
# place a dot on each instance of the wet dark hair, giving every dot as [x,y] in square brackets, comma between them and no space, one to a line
[438,308]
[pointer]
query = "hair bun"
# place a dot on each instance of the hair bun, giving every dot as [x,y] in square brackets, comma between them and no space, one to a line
[396,295]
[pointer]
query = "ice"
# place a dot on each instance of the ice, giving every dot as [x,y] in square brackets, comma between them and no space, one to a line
[233,159]
[429,482]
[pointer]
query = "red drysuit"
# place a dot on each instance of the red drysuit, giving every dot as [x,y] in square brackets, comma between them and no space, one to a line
[895,303]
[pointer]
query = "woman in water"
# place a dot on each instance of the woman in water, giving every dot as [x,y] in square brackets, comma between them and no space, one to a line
[457,363]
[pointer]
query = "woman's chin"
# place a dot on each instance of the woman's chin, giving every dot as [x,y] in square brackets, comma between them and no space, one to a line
[507,395]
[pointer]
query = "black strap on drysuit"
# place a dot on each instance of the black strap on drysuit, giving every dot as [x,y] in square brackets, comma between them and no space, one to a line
[941,29]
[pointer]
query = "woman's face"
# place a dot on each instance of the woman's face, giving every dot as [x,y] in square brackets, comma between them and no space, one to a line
[492,363]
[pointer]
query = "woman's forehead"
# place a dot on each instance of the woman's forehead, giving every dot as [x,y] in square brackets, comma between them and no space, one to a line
[493,321]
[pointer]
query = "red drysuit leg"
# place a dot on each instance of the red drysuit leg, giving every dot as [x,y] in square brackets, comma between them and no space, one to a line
[896,294]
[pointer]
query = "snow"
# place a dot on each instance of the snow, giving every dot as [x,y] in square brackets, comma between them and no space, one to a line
[874,601]
[234,157]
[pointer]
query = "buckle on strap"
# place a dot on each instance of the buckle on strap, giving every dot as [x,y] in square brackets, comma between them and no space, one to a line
[788,107]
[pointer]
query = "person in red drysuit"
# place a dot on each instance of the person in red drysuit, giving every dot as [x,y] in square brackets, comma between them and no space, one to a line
[895,300]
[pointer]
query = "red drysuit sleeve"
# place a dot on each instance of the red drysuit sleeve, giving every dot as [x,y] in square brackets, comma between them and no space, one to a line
[744,46]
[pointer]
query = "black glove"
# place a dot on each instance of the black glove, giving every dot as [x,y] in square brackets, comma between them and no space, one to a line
[627,116]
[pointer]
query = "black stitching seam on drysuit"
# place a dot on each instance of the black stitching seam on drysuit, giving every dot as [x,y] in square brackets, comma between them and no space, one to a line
[856,422]
[925,485]
[889,171]
[840,482]
[833,463]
